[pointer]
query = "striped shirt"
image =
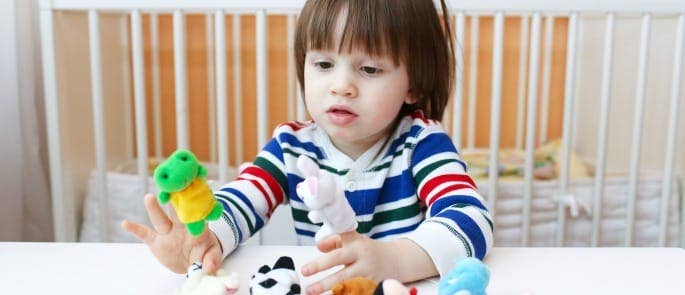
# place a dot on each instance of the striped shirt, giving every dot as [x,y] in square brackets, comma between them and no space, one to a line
[412,184]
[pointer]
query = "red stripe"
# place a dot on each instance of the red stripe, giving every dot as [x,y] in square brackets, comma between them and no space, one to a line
[270,181]
[446,190]
[434,182]
[419,115]
[261,189]
[295,125]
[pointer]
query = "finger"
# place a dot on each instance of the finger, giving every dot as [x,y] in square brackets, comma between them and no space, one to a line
[330,243]
[336,257]
[349,236]
[159,219]
[328,282]
[174,219]
[212,259]
[141,232]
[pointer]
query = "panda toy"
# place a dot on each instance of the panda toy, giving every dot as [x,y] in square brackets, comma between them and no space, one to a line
[279,280]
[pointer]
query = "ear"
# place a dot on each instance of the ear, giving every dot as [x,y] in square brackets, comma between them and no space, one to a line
[411,97]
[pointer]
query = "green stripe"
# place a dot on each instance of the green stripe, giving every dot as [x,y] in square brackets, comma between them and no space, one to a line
[394,155]
[245,216]
[430,168]
[384,217]
[274,171]
[324,167]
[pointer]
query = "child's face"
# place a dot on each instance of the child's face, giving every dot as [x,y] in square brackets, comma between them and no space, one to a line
[354,97]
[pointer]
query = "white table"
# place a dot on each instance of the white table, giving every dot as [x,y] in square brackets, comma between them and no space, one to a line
[79,268]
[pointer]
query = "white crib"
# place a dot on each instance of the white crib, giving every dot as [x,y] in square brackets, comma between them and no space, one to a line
[638,202]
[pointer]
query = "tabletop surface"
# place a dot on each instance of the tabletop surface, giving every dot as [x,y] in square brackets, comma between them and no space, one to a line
[87,268]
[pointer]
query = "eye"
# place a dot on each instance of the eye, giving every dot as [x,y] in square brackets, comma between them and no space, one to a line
[165,176]
[370,70]
[323,64]
[184,158]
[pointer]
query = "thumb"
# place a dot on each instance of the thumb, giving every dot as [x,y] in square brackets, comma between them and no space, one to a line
[212,259]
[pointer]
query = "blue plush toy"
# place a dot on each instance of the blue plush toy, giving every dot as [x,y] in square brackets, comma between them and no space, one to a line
[469,277]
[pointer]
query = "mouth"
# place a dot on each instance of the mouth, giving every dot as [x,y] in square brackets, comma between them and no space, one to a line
[341,110]
[341,115]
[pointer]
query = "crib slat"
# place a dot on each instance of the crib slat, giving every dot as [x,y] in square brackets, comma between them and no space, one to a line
[530,127]
[63,216]
[493,176]
[674,108]
[637,127]
[290,21]
[567,132]
[605,104]
[473,72]
[211,88]
[523,69]
[139,95]
[221,90]
[546,77]
[262,79]
[459,83]
[180,80]
[98,121]
[126,85]
[156,85]
[237,88]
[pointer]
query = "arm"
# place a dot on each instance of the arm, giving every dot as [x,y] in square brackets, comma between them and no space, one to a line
[457,222]
[250,200]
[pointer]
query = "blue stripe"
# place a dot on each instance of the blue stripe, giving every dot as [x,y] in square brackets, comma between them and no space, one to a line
[227,208]
[307,146]
[293,180]
[413,132]
[447,201]
[395,231]
[241,196]
[303,232]
[395,188]
[470,228]
[274,148]
[434,144]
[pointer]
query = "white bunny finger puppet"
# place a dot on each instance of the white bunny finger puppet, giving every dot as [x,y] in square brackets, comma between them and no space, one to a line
[325,199]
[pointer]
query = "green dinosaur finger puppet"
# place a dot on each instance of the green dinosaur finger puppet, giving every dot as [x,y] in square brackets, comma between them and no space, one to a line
[181,179]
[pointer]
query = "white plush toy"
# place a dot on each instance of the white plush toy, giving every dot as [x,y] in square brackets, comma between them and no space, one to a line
[325,199]
[200,283]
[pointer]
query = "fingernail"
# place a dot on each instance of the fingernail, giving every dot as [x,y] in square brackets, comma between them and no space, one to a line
[305,270]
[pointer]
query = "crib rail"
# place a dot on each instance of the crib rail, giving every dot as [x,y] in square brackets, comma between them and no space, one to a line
[540,14]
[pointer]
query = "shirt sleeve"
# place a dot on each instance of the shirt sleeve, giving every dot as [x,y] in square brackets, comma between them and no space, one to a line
[250,200]
[457,222]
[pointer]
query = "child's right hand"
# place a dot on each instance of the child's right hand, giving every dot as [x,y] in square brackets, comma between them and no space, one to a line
[171,243]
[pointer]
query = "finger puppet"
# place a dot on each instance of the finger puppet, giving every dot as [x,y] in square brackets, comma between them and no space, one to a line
[279,280]
[181,179]
[355,286]
[470,276]
[393,287]
[201,283]
[326,200]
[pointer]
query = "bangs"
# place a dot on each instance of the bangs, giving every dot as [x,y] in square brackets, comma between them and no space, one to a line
[366,26]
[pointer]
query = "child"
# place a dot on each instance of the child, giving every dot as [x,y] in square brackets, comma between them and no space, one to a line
[376,76]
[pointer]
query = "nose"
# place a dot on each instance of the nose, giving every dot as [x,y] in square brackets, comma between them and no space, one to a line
[344,86]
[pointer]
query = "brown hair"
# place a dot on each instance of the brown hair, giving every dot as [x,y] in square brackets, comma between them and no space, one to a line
[400,28]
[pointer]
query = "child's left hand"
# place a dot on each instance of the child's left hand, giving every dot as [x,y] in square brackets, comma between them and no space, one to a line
[361,256]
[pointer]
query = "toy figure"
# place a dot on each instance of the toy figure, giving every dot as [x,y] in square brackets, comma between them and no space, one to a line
[181,179]
[326,200]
